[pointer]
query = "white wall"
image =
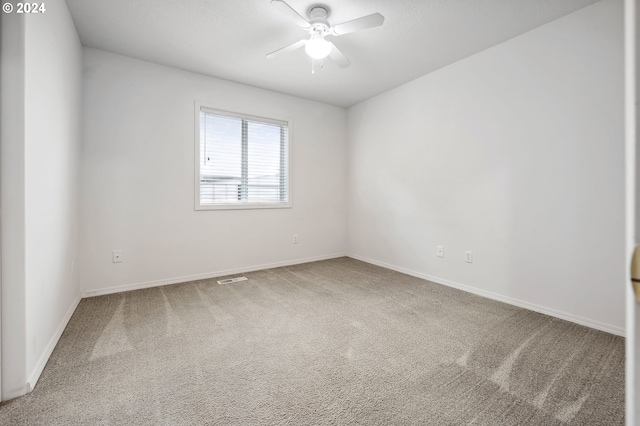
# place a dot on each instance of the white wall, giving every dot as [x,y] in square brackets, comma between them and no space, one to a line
[42,293]
[138,179]
[53,112]
[515,153]
[14,370]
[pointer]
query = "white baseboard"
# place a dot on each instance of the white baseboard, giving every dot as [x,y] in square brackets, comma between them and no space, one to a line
[215,274]
[15,393]
[37,371]
[499,297]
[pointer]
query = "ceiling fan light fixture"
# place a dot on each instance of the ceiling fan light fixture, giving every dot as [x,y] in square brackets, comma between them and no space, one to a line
[318,28]
[317,47]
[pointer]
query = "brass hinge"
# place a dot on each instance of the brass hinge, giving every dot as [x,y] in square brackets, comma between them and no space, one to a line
[635,272]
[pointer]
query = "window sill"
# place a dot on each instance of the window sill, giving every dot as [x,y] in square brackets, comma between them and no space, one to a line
[247,206]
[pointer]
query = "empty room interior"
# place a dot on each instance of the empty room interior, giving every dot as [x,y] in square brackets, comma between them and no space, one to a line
[338,212]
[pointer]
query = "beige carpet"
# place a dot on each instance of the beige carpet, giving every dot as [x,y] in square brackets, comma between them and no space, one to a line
[332,342]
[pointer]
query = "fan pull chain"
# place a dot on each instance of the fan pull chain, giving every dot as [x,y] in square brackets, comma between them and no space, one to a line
[313,65]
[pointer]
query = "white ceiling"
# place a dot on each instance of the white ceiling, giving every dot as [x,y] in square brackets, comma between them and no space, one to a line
[229,38]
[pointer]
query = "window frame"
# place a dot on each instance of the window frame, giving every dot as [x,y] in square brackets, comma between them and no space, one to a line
[199,108]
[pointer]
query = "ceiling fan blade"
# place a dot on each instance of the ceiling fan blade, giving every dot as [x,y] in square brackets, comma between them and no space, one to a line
[338,57]
[369,21]
[287,10]
[289,48]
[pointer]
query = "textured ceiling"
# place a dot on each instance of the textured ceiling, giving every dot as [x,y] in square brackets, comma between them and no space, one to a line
[229,38]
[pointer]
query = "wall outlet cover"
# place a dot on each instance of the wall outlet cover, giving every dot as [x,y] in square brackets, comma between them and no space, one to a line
[468,256]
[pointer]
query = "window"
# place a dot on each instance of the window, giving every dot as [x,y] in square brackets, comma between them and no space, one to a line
[242,161]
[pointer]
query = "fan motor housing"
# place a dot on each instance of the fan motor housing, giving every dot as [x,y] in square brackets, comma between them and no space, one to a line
[318,20]
[319,15]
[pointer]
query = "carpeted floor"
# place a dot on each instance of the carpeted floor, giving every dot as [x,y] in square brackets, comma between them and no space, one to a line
[331,342]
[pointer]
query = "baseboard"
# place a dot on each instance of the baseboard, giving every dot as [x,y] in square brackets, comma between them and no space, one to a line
[176,280]
[15,393]
[464,287]
[37,371]
[501,298]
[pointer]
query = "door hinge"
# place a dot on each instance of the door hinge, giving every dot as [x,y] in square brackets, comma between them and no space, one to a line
[635,272]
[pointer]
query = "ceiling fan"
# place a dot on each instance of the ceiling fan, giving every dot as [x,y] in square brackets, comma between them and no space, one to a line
[318,28]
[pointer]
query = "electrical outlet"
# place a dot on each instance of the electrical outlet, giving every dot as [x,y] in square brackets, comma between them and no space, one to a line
[440,251]
[295,238]
[116,256]
[468,256]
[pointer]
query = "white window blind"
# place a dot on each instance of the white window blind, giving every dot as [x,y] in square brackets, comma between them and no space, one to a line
[243,161]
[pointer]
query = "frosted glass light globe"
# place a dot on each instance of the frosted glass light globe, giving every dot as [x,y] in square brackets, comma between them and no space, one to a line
[318,48]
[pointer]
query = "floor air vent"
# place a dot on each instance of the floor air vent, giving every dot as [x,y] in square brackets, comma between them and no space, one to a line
[232,280]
